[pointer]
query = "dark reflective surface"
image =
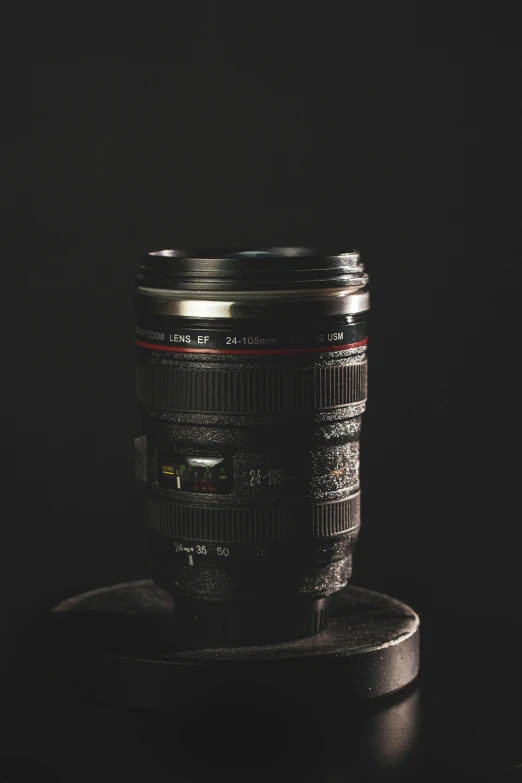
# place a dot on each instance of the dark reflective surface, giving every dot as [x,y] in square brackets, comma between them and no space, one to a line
[449,724]
[414,736]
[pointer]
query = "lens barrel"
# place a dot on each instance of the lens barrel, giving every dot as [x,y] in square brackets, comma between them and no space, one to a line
[252,380]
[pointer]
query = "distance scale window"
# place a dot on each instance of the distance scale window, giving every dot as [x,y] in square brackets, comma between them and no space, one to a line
[188,473]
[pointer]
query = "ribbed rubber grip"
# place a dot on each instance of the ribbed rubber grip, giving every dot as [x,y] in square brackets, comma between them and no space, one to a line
[251,390]
[251,525]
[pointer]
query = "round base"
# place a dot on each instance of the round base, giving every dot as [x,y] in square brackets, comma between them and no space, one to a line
[122,641]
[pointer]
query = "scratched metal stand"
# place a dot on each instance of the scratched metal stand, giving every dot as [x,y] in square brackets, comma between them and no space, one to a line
[119,643]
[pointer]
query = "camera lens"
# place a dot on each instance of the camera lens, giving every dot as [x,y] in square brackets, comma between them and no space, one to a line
[251,385]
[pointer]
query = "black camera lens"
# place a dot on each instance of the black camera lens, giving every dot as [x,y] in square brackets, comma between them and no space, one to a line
[251,385]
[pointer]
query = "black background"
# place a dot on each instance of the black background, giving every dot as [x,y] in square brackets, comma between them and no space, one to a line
[406,150]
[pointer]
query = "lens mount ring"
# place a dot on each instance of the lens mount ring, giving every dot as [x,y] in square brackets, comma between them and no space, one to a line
[252,304]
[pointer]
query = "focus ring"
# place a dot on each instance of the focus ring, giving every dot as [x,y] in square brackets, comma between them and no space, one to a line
[251,390]
[251,525]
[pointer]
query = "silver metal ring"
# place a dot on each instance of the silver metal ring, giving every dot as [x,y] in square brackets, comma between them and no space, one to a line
[251,304]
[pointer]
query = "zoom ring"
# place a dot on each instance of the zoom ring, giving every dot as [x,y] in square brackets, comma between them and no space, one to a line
[251,525]
[251,390]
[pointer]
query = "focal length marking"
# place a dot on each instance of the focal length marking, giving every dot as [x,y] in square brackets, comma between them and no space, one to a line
[251,340]
[179,336]
[213,550]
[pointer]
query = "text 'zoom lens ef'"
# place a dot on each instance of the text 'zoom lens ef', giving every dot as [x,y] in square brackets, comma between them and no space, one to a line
[251,384]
